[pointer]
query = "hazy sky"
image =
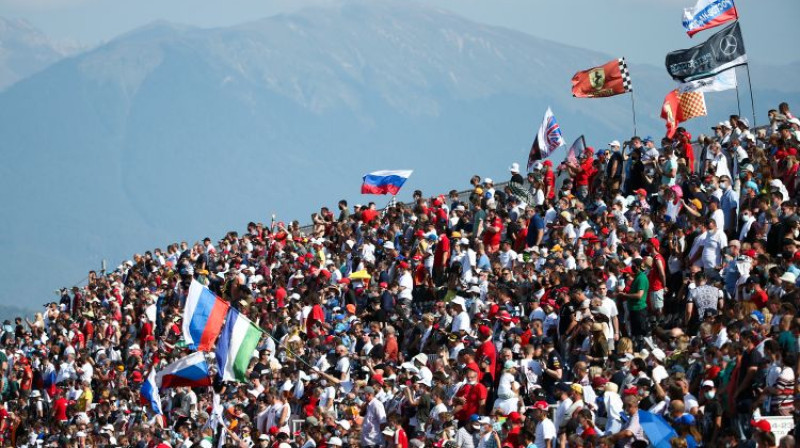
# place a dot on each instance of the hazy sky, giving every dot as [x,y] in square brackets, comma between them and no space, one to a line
[641,30]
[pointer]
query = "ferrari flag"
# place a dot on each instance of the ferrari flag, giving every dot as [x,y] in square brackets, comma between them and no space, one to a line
[680,107]
[609,79]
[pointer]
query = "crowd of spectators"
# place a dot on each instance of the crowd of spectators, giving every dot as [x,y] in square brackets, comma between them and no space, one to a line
[557,310]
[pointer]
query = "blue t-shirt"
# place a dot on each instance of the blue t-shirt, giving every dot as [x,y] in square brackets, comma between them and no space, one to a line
[536,224]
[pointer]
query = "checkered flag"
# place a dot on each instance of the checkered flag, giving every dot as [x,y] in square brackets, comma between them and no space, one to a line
[692,104]
[627,84]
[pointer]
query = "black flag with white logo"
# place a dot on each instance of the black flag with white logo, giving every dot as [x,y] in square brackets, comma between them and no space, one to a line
[720,52]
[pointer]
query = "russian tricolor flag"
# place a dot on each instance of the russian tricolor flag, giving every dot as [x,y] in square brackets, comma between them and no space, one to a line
[708,14]
[385,181]
[202,317]
[148,394]
[189,371]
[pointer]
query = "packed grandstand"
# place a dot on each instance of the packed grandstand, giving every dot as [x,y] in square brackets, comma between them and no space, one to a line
[640,294]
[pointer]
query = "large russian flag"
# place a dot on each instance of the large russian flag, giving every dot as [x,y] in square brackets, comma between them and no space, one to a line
[708,14]
[202,317]
[148,393]
[385,181]
[189,371]
[236,346]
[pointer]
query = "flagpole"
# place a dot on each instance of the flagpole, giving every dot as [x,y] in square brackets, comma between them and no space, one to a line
[633,108]
[738,104]
[752,101]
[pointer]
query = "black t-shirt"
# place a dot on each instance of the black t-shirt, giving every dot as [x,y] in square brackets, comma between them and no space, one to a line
[712,410]
[554,362]
[615,156]
[567,317]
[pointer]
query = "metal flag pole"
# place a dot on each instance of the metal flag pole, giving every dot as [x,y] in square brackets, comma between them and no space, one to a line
[738,105]
[752,101]
[633,108]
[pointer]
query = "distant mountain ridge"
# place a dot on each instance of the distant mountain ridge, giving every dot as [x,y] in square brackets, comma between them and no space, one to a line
[24,50]
[172,133]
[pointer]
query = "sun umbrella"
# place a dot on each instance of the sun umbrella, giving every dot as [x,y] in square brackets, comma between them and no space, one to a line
[657,430]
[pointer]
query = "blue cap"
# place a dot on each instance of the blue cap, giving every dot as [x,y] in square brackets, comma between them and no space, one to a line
[686,419]
[758,315]
[677,369]
[648,139]
[474,418]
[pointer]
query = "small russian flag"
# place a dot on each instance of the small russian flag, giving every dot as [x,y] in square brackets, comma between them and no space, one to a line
[149,393]
[203,317]
[189,371]
[385,181]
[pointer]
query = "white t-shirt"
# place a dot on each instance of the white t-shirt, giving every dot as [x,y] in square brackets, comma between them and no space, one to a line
[460,322]
[406,283]
[343,366]
[507,258]
[545,431]
[712,248]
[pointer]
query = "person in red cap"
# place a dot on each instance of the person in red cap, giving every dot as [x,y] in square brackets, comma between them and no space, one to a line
[657,276]
[514,436]
[545,429]
[582,172]
[471,397]
[549,179]
[487,349]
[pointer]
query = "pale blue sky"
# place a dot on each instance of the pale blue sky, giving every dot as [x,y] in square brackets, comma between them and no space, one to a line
[641,30]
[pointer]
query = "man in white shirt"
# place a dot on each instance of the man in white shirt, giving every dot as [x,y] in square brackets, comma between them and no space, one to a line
[506,256]
[713,245]
[405,280]
[461,321]
[374,417]
[545,430]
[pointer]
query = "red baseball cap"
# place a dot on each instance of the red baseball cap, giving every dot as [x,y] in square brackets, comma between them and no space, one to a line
[761,425]
[542,405]
[631,391]
[547,163]
[484,331]
[515,417]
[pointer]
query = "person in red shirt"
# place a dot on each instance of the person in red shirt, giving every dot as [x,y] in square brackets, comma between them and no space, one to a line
[657,277]
[487,349]
[60,407]
[549,180]
[315,317]
[471,398]
[400,438]
[493,233]
[582,172]
[514,436]
[441,257]
[685,145]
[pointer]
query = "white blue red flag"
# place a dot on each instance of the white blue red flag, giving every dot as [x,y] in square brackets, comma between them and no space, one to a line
[708,14]
[149,393]
[547,140]
[385,181]
[203,317]
[577,149]
[189,371]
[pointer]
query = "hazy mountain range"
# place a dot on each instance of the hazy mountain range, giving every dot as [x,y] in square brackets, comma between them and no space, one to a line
[172,132]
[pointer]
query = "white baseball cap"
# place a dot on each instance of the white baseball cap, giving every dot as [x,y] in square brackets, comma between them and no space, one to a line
[614,143]
[514,168]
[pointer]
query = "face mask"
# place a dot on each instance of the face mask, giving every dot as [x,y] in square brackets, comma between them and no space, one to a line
[710,394]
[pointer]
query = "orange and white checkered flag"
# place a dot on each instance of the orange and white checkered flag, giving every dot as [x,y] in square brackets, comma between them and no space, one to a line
[692,104]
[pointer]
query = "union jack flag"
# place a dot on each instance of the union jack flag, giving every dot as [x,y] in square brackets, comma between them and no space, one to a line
[547,140]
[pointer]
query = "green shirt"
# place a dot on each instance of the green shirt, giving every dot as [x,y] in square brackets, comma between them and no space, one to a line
[640,283]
